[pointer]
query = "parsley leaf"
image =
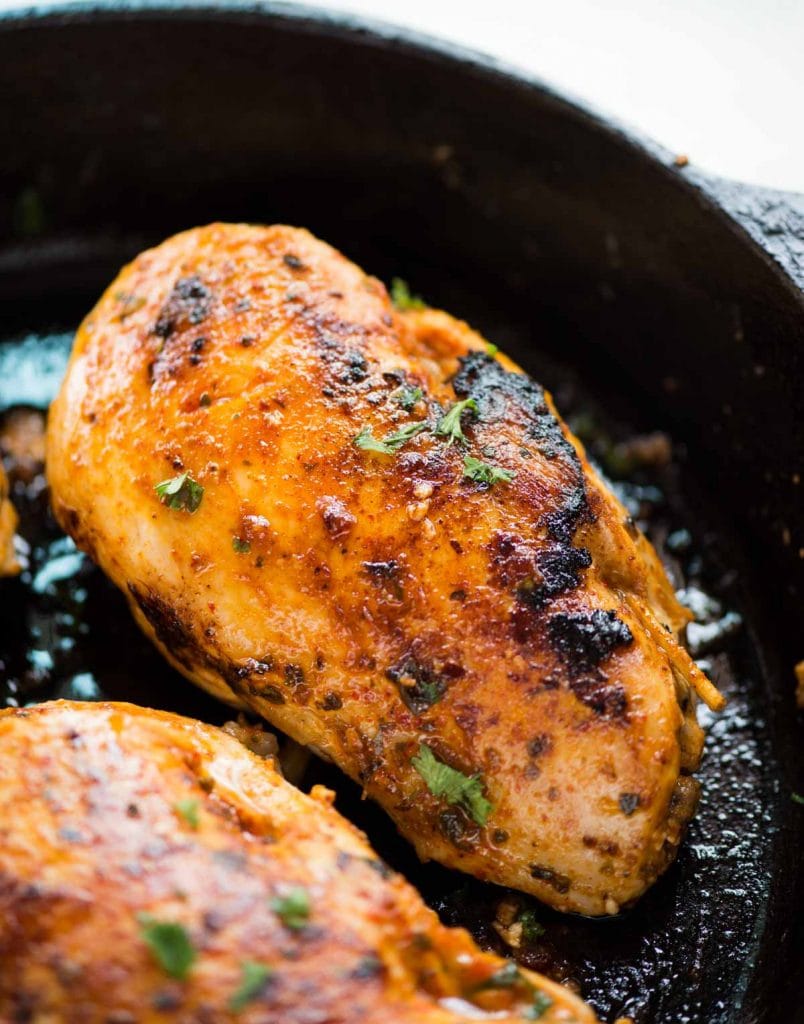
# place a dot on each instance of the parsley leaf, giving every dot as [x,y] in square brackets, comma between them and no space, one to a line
[293,909]
[532,929]
[180,492]
[485,473]
[453,786]
[388,445]
[539,1007]
[402,298]
[169,943]
[450,424]
[187,809]
[505,977]
[254,979]
[407,397]
[242,547]
[796,798]
[492,349]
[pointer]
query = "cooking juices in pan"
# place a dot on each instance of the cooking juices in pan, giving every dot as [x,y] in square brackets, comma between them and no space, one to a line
[67,633]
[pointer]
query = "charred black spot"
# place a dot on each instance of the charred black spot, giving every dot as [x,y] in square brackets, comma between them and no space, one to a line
[386,575]
[539,745]
[294,675]
[292,260]
[368,967]
[629,803]
[331,702]
[269,692]
[167,624]
[458,828]
[558,568]
[585,639]
[559,882]
[189,303]
[419,685]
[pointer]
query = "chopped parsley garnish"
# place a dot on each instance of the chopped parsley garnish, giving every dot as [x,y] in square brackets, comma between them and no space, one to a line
[492,349]
[293,909]
[180,492]
[539,1007]
[242,547]
[532,929]
[506,977]
[407,397]
[402,298]
[796,798]
[451,785]
[169,943]
[485,473]
[388,445]
[187,809]
[450,424]
[253,982]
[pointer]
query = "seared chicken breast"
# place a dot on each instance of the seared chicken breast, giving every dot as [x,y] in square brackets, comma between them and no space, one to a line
[153,869]
[8,524]
[374,530]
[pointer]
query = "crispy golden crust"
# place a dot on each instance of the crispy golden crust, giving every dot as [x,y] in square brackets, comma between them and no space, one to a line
[110,812]
[366,603]
[8,524]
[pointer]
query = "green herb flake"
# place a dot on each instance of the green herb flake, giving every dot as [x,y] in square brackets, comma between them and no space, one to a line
[188,810]
[254,978]
[293,909]
[492,349]
[506,977]
[242,547]
[448,784]
[797,798]
[402,298]
[170,945]
[180,492]
[28,215]
[532,929]
[407,397]
[391,444]
[485,473]
[539,1007]
[450,424]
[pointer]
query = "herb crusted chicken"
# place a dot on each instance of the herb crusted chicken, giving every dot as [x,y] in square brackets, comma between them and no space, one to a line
[371,528]
[153,869]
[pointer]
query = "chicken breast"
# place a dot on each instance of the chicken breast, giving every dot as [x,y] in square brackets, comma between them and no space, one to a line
[8,524]
[364,526]
[153,869]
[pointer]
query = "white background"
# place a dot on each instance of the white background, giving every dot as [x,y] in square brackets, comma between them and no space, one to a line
[721,81]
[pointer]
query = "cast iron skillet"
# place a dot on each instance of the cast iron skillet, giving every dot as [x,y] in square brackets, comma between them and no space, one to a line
[676,299]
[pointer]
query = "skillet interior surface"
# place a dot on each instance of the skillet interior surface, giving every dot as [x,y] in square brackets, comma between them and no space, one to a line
[613,281]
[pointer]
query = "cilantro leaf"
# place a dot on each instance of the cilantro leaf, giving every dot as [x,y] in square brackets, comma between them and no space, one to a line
[450,424]
[242,547]
[180,492]
[492,349]
[532,929]
[407,397]
[402,297]
[391,444]
[539,1007]
[796,798]
[293,909]
[448,784]
[485,473]
[187,809]
[169,943]
[254,979]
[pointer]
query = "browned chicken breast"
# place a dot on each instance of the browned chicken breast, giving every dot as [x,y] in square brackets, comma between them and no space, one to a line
[366,527]
[8,524]
[153,869]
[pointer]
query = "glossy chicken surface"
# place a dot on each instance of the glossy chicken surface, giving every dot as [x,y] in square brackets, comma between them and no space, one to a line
[466,620]
[153,869]
[8,524]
